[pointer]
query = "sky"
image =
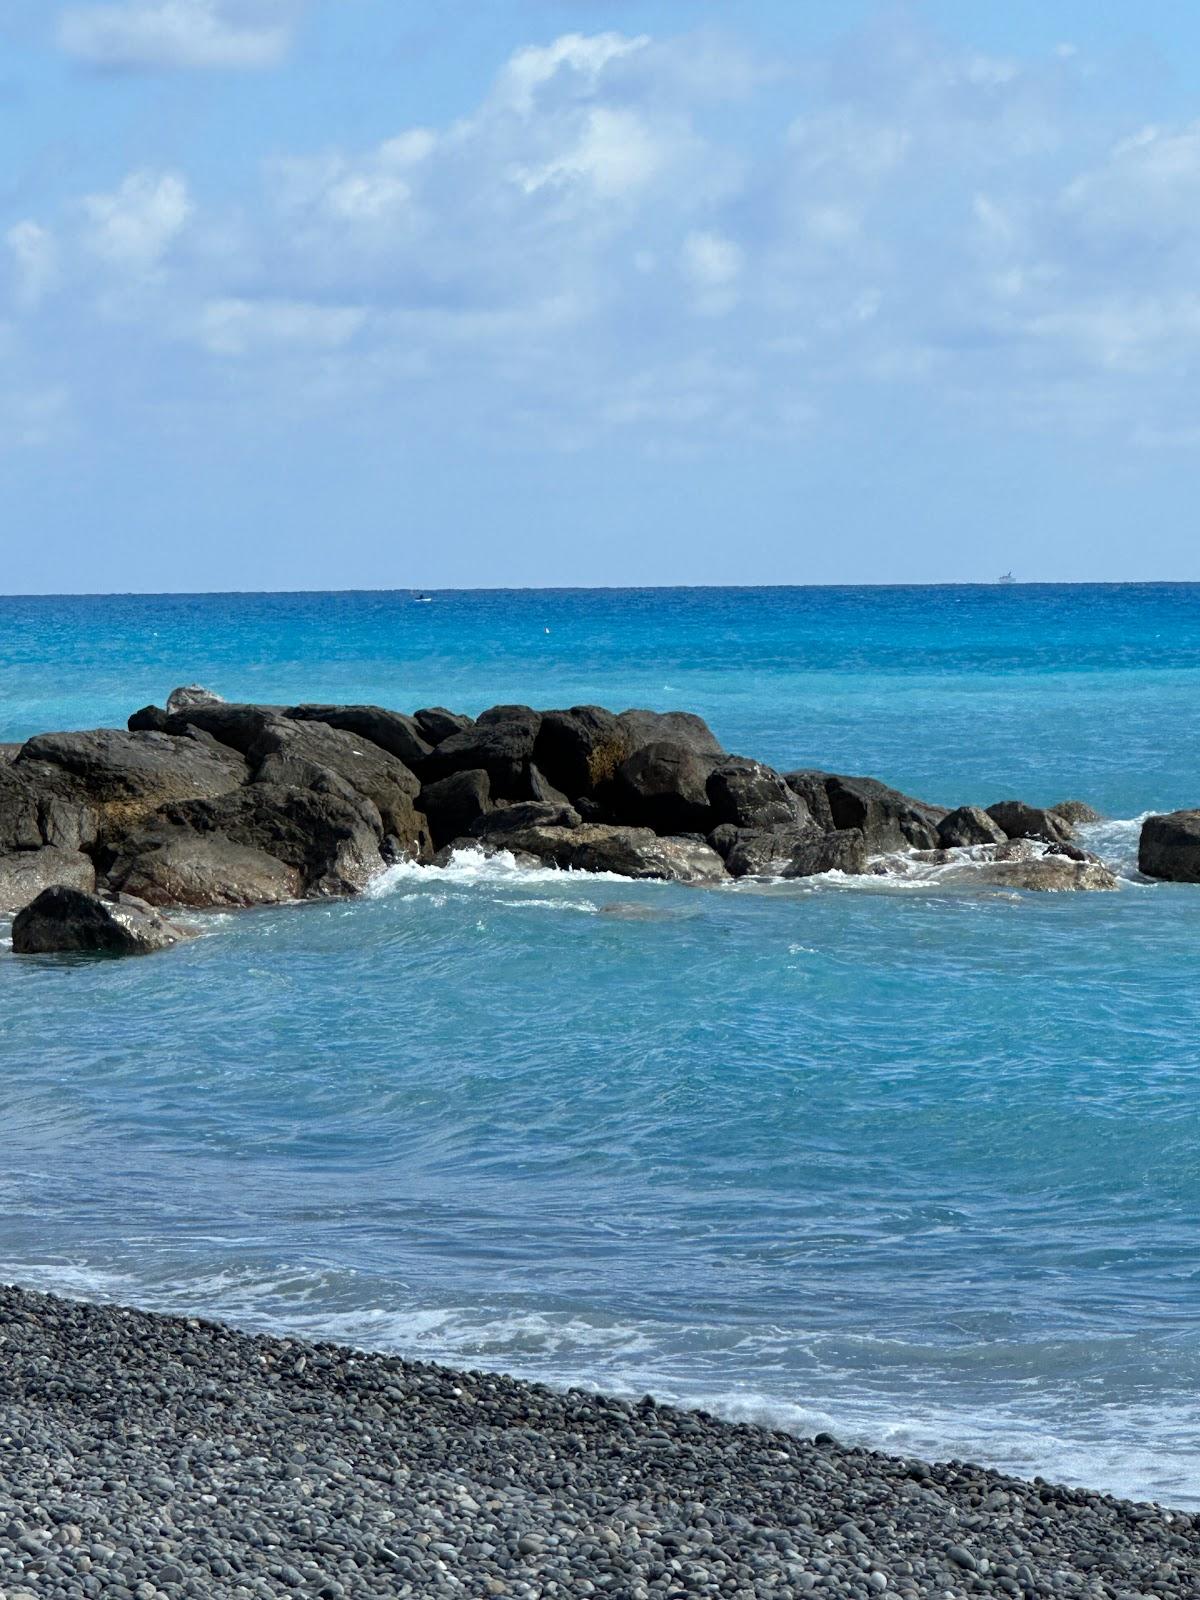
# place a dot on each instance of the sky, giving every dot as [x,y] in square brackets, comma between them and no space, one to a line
[312,294]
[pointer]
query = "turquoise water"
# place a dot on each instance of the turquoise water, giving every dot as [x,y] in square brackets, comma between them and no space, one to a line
[920,1166]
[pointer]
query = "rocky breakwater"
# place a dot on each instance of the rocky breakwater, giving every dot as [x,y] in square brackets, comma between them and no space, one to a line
[206,804]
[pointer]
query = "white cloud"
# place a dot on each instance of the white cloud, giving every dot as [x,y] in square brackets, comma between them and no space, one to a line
[712,264]
[912,220]
[34,253]
[160,34]
[134,227]
[577,60]
[236,327]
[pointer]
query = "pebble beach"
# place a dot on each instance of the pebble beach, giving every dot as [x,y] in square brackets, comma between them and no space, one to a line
[145,1456]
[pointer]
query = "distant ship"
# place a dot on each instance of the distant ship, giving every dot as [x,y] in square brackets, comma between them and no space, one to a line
[423,599]
[1006,577]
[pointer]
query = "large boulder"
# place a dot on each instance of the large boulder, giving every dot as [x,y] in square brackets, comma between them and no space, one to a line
[392,731]
[801,852]
[580,750]
[453,804]
[663,786]
[1021,821]
[150,719]
[809,786]
[190,697]
[25,873]
[234,725]
[747,794]
[176,866]
[969,825]
[63,920]
[888,819]
[500,743]
[294,753]
[124,777]
[671,727]
[1169,847]
[508,826]
[436,724]
[329,834]
[1076,813]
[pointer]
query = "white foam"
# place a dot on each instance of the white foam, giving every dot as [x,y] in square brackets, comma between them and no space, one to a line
[473,866]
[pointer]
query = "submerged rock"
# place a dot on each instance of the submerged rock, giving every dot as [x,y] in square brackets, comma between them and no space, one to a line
[63,920]
[1051,873]
[25,873]
[1169,847]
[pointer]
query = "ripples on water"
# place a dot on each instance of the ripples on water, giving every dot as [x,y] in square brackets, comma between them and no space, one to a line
[920,1166]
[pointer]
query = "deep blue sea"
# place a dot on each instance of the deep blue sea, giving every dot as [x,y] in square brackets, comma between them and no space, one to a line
[919,1165]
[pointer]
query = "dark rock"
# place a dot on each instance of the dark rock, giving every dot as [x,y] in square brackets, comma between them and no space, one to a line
[579,750]
[1021,821]
[665,787]
[1075,813]
[436,723]
[124,777]
[1169,847]
[452,804]
[39,805]
[237,726]
[671,727]
[150,719]
[888,819]
[750,795]
[25,873]
[501,743]
[63,920]
[331,836]
[809,785]
[775,852]
[189,698]
[967,826]
[293,753]
[513,821]
[175,866]
[541,789]
[392,731]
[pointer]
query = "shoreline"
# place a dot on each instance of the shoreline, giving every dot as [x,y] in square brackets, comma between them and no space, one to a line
[160,1455]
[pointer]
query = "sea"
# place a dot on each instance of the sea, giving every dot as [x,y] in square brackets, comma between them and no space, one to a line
[911,1161]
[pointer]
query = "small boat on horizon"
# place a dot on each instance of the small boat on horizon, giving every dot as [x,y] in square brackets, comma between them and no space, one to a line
[422,599]
[1006,577]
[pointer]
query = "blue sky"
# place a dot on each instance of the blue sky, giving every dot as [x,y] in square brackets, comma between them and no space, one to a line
[366,293]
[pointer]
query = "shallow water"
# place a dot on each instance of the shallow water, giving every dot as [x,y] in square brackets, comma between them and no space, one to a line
[916,1163]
